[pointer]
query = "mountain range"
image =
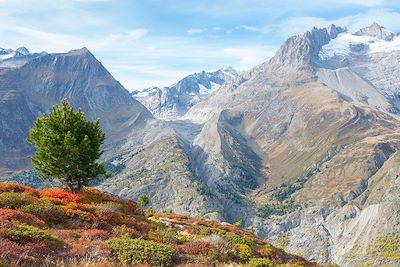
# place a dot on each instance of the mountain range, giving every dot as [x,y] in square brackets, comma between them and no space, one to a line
[303,147]
[174,101]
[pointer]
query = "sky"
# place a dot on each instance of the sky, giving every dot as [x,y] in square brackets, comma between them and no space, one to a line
[147,43]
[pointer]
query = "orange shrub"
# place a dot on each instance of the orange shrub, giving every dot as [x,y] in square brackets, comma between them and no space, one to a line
[16,187]
[80,206]
[60,193]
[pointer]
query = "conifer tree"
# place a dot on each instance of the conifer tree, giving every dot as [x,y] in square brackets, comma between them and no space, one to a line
[68,147]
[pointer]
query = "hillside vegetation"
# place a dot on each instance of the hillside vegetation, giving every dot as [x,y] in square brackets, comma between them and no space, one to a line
[54,227]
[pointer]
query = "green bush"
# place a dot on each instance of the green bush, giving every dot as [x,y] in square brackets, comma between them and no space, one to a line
[166,235]
[261,262]
[238,239]
[136,251]
[109,206]
[244,252]
[27,233]
[47,211]
[13,200]
[239,223]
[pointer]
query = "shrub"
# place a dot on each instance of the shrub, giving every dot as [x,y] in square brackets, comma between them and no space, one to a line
[136,251]
[13,200]
[197,248]
[283,241]
[239,224]
[13,254]
[93,196]
[123,230]
[48,212]
[15,215]
[267,250]
[166,235]
[143,201]
[58,193]
[261,262]
[93,234]
[243,251]
[238,239]
[221,246]
[27,233]
[17,188]
[108,207]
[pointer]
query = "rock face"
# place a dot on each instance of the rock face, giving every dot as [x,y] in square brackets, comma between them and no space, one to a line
[173,101]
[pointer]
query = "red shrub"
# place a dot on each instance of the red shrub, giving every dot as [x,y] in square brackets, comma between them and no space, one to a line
[197,248]
[15,215]
[130,207]
[59,193]
[19,188]
[29,254]
[94,234]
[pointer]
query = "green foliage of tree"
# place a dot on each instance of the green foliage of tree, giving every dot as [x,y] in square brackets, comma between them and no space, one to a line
[239,223]
[143,201]
[68,147]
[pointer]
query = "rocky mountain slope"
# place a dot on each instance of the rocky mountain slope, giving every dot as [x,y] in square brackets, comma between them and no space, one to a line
[53,227]
[31,84]
[148,154]
[303,138]
[173,101]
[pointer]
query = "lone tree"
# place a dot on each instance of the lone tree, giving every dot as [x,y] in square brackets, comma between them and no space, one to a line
[68,146]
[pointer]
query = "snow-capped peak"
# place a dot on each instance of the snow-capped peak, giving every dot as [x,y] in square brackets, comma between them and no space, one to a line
[10,53]
[377,31]
[22,51]
[230,72]
[372,39]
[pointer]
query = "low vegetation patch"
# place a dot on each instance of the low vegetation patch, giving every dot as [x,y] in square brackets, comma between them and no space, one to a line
[136,251]
[55,227]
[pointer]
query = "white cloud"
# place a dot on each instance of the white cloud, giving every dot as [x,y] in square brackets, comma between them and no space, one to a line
[196,31]
[386,17]
[249,56]
[137,33]
[250,28]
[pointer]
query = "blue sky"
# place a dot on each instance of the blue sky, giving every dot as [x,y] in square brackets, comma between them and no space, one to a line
[157,42]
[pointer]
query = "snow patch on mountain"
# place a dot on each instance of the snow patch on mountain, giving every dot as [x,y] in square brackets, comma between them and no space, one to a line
[346,44]
[10,53]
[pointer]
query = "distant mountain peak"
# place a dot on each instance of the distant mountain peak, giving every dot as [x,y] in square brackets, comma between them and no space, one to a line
[22,51]
[10,53]
[377,31]
[174,100]
[230,71]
